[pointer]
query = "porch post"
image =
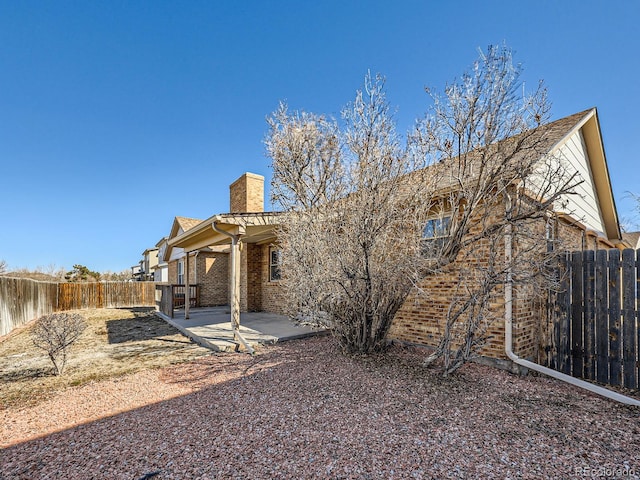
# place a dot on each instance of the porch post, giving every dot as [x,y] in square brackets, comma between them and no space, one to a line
[235,283]
[186,286]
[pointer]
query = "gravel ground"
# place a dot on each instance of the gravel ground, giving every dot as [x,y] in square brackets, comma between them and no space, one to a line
[302,410]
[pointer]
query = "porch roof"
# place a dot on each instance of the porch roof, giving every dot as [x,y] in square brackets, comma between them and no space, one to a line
[255,228]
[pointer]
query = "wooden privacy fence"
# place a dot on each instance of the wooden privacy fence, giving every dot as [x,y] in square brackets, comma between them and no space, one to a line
[23,299]
[72,296]
[594,325]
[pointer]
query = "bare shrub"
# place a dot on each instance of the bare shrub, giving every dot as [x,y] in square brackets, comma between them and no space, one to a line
[350,249]
[370,215]
[55,333]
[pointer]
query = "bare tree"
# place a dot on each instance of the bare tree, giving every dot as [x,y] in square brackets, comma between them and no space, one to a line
[349,249]
[497,179]
[371,217]
[637,200]
[121,276]
[55,333]
[3,267]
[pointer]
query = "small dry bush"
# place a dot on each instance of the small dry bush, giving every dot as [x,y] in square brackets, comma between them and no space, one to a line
[55,333]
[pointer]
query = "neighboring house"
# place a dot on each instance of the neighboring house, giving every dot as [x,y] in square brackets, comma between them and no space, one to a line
[587,221]
[144,271]
[205,266]
[149,263]
[632,239]
[137,272]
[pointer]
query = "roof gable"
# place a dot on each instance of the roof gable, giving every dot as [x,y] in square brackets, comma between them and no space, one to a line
[553,139]
[181,225]
[596,163]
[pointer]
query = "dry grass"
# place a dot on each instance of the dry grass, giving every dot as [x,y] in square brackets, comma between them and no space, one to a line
[116,342]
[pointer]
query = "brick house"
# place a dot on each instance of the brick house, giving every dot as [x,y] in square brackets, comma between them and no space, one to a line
[591,224]
[209,251]
[250,232]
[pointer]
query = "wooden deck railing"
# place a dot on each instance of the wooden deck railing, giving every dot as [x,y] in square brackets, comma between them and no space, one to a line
[170,297]
[179,295]
[164,299]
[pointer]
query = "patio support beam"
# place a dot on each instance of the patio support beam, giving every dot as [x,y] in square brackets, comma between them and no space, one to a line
[234,282]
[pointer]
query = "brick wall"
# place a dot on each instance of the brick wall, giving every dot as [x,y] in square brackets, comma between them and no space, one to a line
[244,304]
[422,318]
[246,194]
[254,277]
[272,294]
[213,278]
[172,272]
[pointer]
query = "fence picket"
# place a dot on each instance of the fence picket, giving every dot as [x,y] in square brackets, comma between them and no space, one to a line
[638,313]
[602,325]
[629,353]
[577,350]
[564,301]
[615,371]
[589,314]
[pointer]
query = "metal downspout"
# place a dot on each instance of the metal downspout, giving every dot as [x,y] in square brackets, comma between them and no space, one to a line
[187,297]
[235,287]
[508,339]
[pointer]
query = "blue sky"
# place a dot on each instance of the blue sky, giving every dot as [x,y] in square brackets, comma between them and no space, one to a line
[117,116]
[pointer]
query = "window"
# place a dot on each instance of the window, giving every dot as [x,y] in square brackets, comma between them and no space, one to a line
[180,272]
[550,235]
[275,261]
[435,234]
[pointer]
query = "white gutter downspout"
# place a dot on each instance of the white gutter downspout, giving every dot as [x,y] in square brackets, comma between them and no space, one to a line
[235,286]
[187,297]
[508,339]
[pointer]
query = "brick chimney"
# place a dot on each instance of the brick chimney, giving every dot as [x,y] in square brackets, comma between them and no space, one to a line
[246,194]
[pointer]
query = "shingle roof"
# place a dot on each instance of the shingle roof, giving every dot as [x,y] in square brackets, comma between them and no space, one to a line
[537,142]
[551,133]
[187,223]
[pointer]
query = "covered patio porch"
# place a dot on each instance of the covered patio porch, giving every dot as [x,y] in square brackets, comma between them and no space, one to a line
[248,236]
[211,327]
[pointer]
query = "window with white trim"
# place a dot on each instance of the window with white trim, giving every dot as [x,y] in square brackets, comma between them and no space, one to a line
[275,262]
[180,272]
[435,233]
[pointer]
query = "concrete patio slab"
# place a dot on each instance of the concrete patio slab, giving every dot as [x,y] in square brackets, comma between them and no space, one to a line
[211,327]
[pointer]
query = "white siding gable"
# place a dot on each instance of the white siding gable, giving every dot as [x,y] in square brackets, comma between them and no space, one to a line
[177,253]
[584,205]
